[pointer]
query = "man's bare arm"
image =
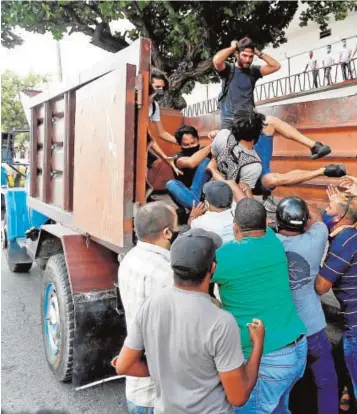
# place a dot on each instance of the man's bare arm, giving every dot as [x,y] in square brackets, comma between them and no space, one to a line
[162,133]
[272,65]
[131,363]
[239,383]
[322,285]
[219,59]
[195,159]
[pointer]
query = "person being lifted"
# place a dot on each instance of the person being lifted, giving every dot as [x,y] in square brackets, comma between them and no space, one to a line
[239,78]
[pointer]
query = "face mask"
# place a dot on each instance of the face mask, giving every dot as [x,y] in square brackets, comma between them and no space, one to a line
[174,236]
[329,220]
[159,91]
[187,152]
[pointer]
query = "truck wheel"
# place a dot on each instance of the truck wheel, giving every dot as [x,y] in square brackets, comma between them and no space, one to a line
[57,318]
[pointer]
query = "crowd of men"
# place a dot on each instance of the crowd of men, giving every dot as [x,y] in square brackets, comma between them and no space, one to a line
[343,60]
[226,316]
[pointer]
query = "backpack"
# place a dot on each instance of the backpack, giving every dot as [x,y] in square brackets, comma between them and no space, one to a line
[229,164]
[228,80]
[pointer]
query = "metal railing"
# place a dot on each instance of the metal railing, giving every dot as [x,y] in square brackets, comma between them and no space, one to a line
[313,80]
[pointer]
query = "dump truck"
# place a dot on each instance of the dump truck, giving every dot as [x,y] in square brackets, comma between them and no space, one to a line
[88,171]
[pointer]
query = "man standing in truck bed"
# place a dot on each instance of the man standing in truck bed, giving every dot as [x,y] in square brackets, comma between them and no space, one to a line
[238,79]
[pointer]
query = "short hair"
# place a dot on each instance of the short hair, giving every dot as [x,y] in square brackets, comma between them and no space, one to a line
[247,125]
[352,207]
[152,218]
[185,129]
[189,278]
[245,43]
[250,215]
[151,90]
[159,75]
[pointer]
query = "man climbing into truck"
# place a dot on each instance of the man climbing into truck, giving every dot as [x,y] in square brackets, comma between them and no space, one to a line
[238,83]
[244,153]
[192,160]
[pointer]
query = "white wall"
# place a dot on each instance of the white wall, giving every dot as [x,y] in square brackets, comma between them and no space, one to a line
[300,41]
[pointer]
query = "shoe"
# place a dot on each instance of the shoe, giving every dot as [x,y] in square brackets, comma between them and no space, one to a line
[335,170]
[319,150]
[269,204]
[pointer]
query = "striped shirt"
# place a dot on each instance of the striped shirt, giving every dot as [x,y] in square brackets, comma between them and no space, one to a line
[143,271]
[340,268]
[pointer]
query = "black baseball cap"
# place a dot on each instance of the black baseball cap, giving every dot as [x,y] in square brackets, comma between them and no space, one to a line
[218,193]
[194,250]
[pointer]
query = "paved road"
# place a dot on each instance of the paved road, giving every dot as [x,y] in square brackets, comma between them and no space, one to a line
[26,381]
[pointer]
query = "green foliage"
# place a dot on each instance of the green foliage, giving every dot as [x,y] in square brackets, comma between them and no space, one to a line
[184,34]
[320,12]
[12,113]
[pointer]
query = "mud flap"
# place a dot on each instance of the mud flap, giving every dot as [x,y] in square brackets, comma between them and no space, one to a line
[99,336]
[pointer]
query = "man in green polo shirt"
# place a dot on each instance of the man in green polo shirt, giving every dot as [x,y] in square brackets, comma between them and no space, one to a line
[253,280]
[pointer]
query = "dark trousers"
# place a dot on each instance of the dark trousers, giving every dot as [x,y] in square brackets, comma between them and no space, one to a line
[327,74]
[322,366]
[350,352]
[346,66]
[315,76]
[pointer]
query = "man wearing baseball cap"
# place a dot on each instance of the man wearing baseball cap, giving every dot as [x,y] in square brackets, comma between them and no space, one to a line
[192,347]
[216,213]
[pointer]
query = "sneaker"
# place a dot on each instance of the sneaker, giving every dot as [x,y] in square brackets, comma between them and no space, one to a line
[335,170]
[269,204]
[319,150]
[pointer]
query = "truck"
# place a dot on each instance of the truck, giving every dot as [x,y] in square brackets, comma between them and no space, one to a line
[87,177]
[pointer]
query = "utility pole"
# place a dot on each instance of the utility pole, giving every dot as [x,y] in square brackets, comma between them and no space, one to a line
[59,61]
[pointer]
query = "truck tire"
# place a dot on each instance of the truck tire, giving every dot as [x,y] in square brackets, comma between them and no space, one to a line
[57,315]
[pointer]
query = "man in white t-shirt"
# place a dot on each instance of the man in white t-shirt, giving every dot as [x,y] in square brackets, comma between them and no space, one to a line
[327,63]
[216,213]
[313,67]
[154,150]
[345,57]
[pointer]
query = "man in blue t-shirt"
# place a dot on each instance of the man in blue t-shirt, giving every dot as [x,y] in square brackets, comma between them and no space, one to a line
[339,271]
[304,237]
[238,79]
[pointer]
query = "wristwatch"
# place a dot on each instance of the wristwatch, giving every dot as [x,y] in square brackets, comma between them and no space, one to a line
[261,55]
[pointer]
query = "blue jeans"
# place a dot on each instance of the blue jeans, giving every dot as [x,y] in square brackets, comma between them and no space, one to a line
[278,372]
[320,361]
[185,196]
[136,409]
[350,351]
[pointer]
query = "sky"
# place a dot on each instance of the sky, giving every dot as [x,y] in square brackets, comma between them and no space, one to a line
[38,53]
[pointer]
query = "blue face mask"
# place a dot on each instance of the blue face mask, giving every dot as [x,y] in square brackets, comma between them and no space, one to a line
[329,220]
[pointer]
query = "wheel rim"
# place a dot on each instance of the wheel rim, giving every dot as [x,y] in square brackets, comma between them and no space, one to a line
[52,319]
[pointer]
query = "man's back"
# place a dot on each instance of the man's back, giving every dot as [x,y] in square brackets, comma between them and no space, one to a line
[219,222]
[143,271]
[253,280]
[305,252]
[187,340]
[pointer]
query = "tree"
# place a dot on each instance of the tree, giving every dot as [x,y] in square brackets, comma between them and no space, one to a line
[184,34]
[12,113]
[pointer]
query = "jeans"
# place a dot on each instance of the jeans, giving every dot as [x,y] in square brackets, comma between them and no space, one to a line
[136,409]
[278,372]
[350,351]
[320,361]
[346,67]
[185,196]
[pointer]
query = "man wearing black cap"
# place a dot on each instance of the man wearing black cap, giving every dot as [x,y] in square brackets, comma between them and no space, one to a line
[193,352]
[216,213]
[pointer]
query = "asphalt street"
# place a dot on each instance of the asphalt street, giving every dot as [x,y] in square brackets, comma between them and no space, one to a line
[27,383]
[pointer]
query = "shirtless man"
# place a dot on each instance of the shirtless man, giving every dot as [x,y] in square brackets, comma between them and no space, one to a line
[253,133]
